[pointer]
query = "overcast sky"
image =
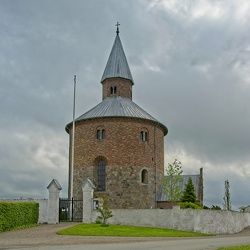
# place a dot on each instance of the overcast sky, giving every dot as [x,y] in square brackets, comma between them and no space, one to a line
[190,61]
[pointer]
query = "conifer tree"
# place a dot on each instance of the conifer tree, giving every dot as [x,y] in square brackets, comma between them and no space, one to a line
[189,192]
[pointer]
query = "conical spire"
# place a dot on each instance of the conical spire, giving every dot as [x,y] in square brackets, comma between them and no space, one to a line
[117,65]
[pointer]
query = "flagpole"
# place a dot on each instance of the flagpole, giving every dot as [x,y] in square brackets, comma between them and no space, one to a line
[73,143]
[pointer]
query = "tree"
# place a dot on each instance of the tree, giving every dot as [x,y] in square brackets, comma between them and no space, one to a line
[105,213]
[171,184]
[189,192]
[226,198]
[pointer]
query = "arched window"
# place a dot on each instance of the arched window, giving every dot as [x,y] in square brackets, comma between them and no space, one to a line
[98,134]
[101,134]
[144,136]
[111,90]
[101,175]
[144,176]
[115,90]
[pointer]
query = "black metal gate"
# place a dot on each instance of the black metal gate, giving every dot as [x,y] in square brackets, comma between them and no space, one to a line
[70,210]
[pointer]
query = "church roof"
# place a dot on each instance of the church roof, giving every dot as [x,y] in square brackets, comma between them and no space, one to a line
[182,185]
[117,65]
[118,107]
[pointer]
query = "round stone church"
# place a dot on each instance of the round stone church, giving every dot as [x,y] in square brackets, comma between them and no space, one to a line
[118,145]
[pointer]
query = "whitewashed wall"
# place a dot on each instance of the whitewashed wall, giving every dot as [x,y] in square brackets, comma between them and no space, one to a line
[204,221]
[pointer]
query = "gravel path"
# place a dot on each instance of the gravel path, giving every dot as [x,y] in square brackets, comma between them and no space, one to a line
[45,235]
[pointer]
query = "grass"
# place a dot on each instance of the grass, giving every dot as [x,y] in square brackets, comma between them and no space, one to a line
[246,247]
[125,231]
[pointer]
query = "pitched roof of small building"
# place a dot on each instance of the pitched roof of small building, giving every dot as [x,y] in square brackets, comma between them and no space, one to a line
[117,65]
[182,185]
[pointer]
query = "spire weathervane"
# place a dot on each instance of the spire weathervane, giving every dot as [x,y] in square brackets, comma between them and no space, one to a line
[117,30]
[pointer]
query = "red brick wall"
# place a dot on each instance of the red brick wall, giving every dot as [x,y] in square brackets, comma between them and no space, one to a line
[166,204]
[123,87]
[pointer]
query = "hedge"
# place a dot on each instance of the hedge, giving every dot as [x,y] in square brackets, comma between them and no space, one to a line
[190,205]
[18,214]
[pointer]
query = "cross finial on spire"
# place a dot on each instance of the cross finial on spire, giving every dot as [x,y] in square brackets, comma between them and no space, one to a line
[117,30]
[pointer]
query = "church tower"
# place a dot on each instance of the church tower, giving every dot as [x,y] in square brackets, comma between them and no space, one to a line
[118,145]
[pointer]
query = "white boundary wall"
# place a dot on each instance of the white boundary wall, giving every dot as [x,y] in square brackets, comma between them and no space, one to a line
[204,221]
[194,220]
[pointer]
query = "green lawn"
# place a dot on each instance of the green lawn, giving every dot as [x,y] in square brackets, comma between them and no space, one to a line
[125,231]
[247,247]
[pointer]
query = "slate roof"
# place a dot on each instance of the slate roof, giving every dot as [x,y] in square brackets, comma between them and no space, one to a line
[182,185]
[118,106]
[117,65]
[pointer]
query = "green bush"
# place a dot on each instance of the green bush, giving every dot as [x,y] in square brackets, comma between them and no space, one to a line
[190,205]
[18,214]
[215,207]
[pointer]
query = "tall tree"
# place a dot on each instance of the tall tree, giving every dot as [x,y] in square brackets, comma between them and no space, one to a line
[171,184]
[226,198]
[189,192]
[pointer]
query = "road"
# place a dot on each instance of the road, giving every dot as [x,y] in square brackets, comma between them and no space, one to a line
[187,244]
[44,238]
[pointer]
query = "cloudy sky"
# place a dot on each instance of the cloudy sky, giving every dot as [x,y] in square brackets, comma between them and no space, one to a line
[190,61]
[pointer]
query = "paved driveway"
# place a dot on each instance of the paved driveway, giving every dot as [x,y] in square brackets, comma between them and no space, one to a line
[44,237]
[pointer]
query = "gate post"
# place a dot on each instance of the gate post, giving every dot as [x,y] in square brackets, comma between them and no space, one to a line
[87,196]
[53,207]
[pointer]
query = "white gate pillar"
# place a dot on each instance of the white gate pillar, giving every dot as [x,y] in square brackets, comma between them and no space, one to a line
[53,207]
[87,196]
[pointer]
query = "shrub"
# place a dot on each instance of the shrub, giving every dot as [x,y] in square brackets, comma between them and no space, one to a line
[190,205]
[205,207]
[105,213]
[215,207]
[18,214]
